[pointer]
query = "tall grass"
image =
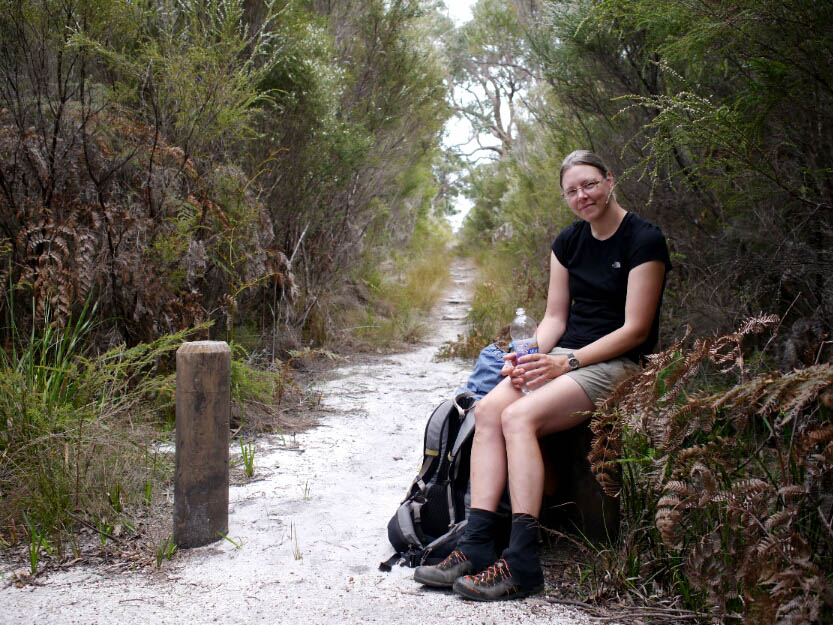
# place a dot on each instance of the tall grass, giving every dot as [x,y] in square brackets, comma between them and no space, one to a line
[45,358]
[395,295]
[76,431]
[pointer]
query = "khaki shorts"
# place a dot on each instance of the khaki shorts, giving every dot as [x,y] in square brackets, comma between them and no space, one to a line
[599,380]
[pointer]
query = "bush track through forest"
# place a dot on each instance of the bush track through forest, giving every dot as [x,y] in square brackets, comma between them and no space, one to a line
[309,528]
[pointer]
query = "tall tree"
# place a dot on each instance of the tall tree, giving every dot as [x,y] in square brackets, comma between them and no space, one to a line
[492,75]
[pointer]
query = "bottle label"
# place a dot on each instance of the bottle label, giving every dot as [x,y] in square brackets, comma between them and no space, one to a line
[526,346]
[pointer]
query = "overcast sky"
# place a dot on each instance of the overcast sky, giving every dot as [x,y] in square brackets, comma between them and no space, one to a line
[459,10]
[458,130]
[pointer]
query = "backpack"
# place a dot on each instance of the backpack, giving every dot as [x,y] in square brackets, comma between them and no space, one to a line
[432,517]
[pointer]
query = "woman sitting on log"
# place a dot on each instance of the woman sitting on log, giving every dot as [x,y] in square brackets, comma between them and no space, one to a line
[607,276]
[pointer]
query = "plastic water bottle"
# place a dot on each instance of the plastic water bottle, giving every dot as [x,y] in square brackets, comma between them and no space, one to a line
[522,330]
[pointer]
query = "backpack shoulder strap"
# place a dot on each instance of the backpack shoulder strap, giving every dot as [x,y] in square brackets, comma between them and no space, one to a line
[432,444]
[464,403]
[465,433]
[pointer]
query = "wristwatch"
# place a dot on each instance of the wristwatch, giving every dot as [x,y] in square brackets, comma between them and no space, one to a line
[573,361]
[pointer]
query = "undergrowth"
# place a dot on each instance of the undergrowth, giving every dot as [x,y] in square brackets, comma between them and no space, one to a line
[77,433]
[725,472]
[84,436]
[394,297]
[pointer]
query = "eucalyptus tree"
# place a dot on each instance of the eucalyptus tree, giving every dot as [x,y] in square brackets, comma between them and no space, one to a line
[491,74]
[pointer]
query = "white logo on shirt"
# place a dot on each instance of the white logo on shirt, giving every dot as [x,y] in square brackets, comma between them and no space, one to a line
[617,265]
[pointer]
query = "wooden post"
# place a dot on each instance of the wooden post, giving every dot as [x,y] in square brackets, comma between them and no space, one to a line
[203,405]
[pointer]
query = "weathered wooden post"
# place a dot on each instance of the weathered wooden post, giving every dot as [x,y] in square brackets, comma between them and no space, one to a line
[203,405]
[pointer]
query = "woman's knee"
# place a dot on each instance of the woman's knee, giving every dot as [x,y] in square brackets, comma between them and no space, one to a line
[514,421]
[486,414]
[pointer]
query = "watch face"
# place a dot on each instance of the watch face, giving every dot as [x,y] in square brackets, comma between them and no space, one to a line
[573,362]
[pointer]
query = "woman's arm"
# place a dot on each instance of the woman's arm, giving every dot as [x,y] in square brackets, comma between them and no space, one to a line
[554,323]
[644,290]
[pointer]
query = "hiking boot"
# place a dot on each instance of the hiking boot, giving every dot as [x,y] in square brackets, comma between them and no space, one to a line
[442,575]
[495,584]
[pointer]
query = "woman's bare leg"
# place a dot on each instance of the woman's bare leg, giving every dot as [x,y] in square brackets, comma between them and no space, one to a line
[558,405]
[488,452]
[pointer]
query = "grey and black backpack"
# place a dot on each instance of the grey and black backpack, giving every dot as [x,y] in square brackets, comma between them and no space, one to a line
[432,517]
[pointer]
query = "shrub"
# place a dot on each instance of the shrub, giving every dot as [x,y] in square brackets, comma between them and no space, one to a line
[726,479]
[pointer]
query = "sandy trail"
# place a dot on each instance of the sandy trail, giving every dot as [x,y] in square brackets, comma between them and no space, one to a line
[310,525]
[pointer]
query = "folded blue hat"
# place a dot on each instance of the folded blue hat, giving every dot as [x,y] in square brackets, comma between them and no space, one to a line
[486,374]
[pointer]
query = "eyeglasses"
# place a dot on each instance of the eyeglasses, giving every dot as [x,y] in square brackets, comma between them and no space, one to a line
[587,187]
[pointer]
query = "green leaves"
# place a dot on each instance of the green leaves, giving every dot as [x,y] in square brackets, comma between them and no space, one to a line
[194,69]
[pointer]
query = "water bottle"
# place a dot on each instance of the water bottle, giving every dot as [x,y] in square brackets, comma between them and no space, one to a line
[522,330]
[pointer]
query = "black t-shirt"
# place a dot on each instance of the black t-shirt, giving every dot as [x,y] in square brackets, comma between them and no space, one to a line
[599,278]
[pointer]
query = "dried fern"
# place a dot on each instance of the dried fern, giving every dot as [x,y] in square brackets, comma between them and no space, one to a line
[160,243]
[740,480]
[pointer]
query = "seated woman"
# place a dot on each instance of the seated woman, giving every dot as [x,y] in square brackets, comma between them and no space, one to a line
[607,276]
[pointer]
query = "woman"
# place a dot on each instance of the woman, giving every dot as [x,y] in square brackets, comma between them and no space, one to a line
[607,275]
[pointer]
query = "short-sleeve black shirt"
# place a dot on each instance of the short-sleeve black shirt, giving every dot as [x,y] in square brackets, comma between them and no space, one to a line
[599,278]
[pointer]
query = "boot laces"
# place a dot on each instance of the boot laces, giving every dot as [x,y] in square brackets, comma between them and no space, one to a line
[492,575]
[453,558]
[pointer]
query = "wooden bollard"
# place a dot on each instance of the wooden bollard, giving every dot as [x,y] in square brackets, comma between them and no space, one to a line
[203,406]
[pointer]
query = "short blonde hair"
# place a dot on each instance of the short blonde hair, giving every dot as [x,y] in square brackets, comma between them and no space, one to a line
[582,157]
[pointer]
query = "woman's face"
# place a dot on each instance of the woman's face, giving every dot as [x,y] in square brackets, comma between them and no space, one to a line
[587,191]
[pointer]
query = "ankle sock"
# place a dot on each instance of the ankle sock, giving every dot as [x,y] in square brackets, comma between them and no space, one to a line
[478,541]
[522,553]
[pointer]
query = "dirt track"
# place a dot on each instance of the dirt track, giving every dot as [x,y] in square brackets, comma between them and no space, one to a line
[311,525]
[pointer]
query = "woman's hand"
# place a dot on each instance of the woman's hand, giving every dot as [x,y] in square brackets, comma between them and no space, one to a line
[508,363]
[534,369]
[511,369]
[538,369]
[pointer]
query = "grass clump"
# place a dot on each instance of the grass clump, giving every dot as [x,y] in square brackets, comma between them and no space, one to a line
[247,455]
[77,434]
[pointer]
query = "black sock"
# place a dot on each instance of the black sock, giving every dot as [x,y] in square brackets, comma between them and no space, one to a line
[522,553]
[478,541]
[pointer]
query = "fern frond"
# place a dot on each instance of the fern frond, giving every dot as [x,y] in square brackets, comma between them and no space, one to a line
[689,453]
[668,501]
[809,383]
[605,451]
[705,482]
[780,519]
[756,325]
[822,434]
[679,488]
[769,545]
[666,521]
[750,486]
[792,490]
